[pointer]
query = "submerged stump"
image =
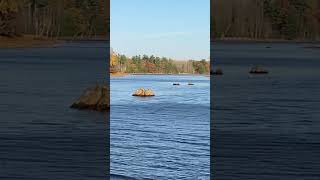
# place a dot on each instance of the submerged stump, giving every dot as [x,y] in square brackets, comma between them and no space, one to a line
[143,92]
[94,98]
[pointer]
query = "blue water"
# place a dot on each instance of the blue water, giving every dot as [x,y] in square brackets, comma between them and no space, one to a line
[266,126]
[160,137]
[40,136]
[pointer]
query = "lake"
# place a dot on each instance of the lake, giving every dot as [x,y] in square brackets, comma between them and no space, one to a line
[40,136]
[160,137]
[266,126]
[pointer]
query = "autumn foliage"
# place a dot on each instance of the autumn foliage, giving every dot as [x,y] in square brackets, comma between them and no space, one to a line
[156,65]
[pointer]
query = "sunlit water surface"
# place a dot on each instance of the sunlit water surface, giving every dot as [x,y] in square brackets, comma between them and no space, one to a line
[160,137]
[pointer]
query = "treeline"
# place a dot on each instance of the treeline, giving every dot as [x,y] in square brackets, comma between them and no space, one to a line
[54,18]
[156,65]
[266,19]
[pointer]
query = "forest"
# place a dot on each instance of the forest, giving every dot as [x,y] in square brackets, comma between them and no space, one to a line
[156,65]
[54,18]
[265,19]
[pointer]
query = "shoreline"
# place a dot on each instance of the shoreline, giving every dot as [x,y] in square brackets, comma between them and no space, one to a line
[248,40]
[31,41]
[27,41]
[118,74]
[98,39]
[160,74]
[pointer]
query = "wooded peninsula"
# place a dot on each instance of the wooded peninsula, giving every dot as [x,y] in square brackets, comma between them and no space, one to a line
[156,65]
[265,19]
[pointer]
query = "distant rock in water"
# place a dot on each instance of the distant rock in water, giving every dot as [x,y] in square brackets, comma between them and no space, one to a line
[95,98]
[143,92]
[258,70]
[217,72]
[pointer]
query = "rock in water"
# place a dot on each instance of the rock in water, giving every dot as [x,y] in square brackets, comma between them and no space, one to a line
[143,93]
[258,70]
[95,98]
[148,92]
[217,72]
[139,92]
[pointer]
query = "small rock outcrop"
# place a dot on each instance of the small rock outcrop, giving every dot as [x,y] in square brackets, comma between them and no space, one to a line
[258,70]
[95,98]
[143,92]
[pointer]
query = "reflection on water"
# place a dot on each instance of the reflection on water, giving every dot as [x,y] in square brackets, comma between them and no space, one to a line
[160,137]
[266,126]
[40,136]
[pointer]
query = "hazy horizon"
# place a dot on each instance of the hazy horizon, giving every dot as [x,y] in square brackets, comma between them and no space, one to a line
[161,28]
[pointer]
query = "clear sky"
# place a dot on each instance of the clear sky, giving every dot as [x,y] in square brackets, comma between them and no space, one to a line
[178,29]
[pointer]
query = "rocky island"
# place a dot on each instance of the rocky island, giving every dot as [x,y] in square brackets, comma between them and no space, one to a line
[143,92]
[94,98]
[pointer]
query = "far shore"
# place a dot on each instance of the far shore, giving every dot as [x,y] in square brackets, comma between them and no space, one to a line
[139,74]
[249,40]
[27,41]
[31,41]
[96,38]
[118,74]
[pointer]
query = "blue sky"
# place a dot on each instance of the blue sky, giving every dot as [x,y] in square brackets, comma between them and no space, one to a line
[178,29]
